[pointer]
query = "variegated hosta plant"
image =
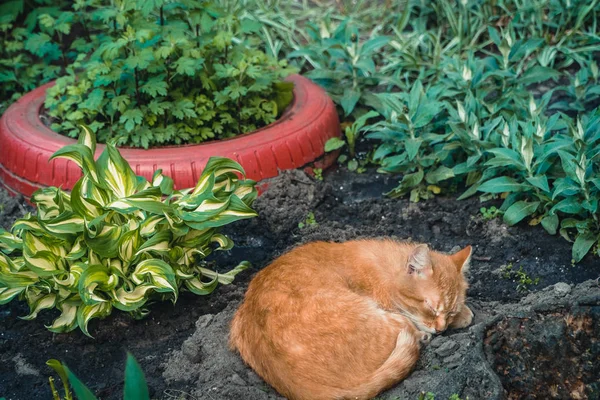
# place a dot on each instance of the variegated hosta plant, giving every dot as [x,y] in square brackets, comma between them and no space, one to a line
[118,240]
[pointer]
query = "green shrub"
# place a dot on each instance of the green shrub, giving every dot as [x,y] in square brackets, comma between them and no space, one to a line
[36,44]
[118,240]
[170,73]
[499,97]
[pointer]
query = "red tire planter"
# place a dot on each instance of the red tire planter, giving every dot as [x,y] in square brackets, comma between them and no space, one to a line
[293,141]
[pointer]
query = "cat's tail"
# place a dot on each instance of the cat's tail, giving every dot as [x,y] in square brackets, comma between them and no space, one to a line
[395,368]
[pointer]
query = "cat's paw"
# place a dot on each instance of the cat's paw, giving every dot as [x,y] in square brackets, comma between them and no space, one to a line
[424,337]
[463,319]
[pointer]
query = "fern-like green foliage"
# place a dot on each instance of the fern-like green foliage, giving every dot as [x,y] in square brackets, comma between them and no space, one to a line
[34,47]
[168,72]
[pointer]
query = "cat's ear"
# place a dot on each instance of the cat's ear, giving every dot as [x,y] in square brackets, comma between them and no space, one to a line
[419,261]
[462,259]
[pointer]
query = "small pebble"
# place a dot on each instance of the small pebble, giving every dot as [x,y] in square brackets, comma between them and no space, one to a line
[562,289]
[237,380]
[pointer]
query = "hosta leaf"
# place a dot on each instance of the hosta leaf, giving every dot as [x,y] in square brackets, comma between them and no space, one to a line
[207,209]
[29,223]
[81,155]
[220,166]
[87,137]
[7,294]
[128,245]
[9,242]
[44,263]
[96,277]
[246,191]
[228,277]
[85,313]
[236,211]
[150,225]
[164,182]
[116,172]
[82,206]
[158,273]
[520,210]
[224,242]
[583,244]
[105,243]
[126,300]
[66,223]
[199,287]
[42,303]
[159,242]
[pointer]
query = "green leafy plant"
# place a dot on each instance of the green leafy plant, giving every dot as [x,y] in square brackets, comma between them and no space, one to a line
[490,213]
[524,281]
[318,173]
[135,387]
[342,62]
[118,240]
[477,100]
[170,73]
[33,46]
[352,133]
[309,221]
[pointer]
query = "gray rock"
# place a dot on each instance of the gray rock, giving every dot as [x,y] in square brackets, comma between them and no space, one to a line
[447,348]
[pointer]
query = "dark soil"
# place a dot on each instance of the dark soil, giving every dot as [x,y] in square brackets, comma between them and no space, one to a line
[558,354]
[182,347]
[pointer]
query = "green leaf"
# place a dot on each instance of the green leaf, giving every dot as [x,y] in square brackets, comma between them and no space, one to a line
[333,144]
[550,223]
[538,74]
[158,273]
[374,44]
[85,313]
[62,373]
[440,174]
[520,210]
[409,181]
[583,244]
[81,391]
[136,387]
[7,294]
[67,321]
[540,182]
[96,277]
[116,173]
[352,165]
[412,147]
[501,184]
[131,118]
[349,100]
[41,303]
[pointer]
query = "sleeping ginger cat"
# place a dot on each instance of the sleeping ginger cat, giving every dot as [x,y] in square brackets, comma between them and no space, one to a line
[345,320]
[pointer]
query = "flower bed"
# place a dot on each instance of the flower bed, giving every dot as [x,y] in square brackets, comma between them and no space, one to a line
[296,139]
